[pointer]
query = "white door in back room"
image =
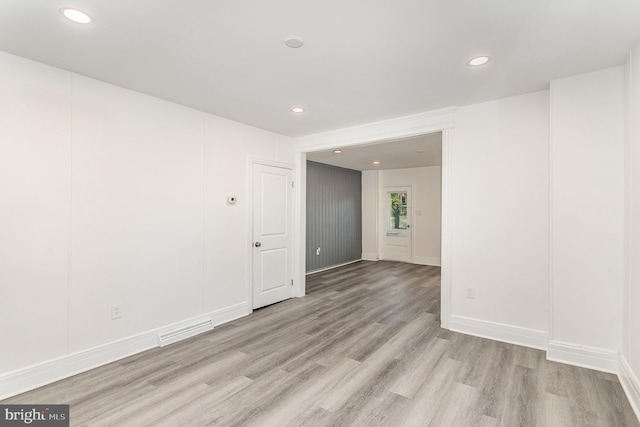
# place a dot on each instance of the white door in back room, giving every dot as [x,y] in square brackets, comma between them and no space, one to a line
[395,223]
[272,277]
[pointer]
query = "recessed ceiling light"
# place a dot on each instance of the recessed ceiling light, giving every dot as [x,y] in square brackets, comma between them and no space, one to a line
[297,110]
[376,162]
[293,42]
[478,61]
[75,15]
[337,151]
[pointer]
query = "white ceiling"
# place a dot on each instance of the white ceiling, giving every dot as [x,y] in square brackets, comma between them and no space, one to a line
[425,150]
[362,61]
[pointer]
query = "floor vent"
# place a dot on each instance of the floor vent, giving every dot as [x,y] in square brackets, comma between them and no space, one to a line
[175,335]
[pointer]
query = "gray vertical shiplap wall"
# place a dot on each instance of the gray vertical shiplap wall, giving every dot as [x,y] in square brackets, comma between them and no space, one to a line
[334,215]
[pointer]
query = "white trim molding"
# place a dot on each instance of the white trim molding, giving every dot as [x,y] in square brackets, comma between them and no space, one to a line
[230,313]
[446,226]
[583,356]
[499,332]
[630,384]
[25,379]
[331,267]
[369,256]
[300,226]
[174,335]
[423,260]
[401,127]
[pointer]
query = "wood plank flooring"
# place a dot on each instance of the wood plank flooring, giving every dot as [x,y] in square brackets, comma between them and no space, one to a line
[364,348]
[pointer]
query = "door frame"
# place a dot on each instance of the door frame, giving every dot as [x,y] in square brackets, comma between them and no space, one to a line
[249,220]
[442,120]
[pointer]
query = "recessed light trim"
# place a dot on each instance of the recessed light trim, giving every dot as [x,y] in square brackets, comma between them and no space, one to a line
[293,42]
[479,61]
[75,15]
[337,151]
[376,162]
[297,110]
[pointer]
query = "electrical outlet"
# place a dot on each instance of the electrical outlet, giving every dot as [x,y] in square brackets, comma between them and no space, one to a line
[116,311]
[471,292]
[317,251]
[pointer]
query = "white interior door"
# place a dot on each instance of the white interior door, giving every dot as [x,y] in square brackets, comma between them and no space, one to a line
[272,234]
[395,224]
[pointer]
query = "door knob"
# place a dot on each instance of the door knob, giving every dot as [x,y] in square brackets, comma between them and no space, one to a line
[257,244]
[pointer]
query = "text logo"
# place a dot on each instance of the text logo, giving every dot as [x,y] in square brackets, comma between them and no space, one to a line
[34,415]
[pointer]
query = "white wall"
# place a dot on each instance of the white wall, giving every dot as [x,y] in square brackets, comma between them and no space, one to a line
[229,146]
[499,223]
[136,213]
[587,215]
[35,150]
[370,215]
[631,307]
[110,196]
[427,188]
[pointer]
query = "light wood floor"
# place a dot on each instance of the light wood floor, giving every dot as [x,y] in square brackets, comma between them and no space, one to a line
[364,348]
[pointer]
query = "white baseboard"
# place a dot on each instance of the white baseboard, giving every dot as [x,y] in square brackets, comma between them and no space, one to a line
[585,357]
[25,379]
[230,313]
[369,256]
[331,267]
[630,384]
[499,332]
[426,261]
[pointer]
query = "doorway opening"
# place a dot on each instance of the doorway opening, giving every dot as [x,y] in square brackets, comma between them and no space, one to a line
[390,134]
[401,196]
